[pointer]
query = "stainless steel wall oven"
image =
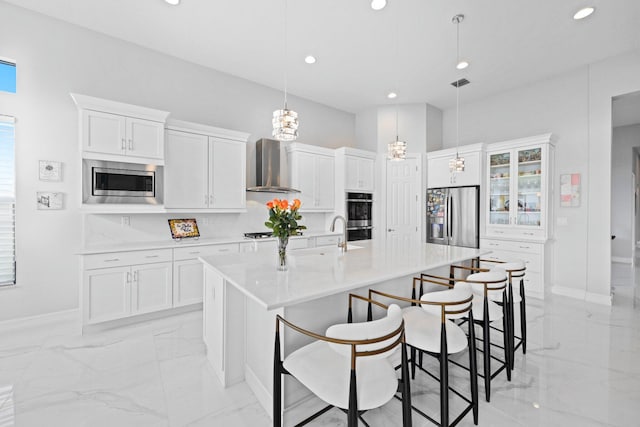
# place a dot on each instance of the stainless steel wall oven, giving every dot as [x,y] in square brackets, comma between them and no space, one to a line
[359,216]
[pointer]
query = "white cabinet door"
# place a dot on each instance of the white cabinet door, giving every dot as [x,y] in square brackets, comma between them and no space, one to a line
[325,183]
[151,288]
[438,174]
[115,134]
[103,132]
[186,170]
[359,174]
[106,294]
[228,178]
[145,138]
[187,282]
[304,179]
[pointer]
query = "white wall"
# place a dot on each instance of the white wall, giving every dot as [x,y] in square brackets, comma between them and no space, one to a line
[624,139]
[55,58]
[576,108]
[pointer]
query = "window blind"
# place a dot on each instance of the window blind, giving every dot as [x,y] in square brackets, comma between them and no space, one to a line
[7,202]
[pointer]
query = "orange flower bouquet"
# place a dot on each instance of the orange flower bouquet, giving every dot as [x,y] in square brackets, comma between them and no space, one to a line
[283,220]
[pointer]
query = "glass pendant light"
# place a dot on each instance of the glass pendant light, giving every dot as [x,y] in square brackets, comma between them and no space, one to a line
[396,150]
[457,164]
[285,121]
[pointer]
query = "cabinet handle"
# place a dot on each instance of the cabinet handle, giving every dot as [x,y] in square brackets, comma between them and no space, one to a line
[528,234]
[112,260]
[194,253]
[206,199]
[124,144]
[212,200]
[223,250]
[151,256]
[499,232]
[128,277]
[135,276]
[525,247]
[130,144]
[493,244]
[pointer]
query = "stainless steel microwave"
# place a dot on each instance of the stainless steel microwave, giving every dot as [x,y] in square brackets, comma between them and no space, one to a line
[121,183]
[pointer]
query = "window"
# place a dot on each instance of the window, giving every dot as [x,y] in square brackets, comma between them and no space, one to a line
[7,76]
[7,202]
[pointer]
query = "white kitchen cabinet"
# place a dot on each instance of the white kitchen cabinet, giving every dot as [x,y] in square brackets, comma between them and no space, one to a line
[311,170]
[187,271]
[519,189]
[536,256]
[439,175]
[358,169]
[123,284]
[205,168]
[121,132]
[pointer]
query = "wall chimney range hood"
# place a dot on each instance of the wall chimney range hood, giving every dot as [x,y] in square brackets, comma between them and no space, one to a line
[268,168]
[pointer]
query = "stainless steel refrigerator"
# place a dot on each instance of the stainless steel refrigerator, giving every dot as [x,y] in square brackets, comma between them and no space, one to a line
[453,216]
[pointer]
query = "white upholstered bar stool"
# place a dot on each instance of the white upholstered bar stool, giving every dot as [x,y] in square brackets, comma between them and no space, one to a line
[488,287]
[515,269]
[348,368]
[429,328]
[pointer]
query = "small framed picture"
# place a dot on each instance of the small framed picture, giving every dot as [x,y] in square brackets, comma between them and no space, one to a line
[184,228]
[50,171]
[50,201]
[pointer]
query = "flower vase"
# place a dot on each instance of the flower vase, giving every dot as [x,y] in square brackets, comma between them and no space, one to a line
[282,253]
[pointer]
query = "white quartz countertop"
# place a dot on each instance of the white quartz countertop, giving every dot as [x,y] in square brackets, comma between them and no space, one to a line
[172,244]
[319,272]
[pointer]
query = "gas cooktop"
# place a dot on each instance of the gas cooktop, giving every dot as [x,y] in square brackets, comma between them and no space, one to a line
[259,235]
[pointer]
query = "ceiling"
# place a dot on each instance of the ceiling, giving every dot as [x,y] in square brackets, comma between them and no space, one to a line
[509,43]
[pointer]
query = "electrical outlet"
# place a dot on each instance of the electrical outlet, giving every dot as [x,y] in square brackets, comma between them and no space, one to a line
[125,221]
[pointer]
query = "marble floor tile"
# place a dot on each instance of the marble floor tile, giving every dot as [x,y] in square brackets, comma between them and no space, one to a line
[581,368]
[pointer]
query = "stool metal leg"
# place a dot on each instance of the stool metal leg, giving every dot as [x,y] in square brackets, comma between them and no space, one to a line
[523,317]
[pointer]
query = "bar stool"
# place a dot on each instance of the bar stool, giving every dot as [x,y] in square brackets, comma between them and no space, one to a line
[349,367]
[516,271]
[430,329]
[488,287]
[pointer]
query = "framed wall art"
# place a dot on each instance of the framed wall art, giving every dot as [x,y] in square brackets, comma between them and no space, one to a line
[49,200]
[50,171]
[570,190]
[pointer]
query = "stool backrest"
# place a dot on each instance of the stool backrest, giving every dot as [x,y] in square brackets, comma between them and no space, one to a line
[449,304]
[374,330]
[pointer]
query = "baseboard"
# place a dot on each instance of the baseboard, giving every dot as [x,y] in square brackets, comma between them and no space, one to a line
[263,395]
[582,295]
[40,319]
[622,260]
[598,298]
[568,292]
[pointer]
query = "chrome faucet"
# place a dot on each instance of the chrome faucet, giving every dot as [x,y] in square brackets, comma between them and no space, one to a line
[341,244]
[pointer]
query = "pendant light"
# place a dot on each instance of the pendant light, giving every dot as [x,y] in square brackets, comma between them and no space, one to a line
[285,121]
[397,150]
[457,164]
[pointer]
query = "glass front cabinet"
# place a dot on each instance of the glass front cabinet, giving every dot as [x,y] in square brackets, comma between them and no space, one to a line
[519,187]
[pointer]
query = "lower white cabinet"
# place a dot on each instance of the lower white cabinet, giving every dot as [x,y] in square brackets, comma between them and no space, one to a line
[116,292]
[534,254]
[187,271]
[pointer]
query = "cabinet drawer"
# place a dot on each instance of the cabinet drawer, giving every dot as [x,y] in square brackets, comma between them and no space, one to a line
[299,243]
[327,240]
[193,252]
[509,245]
[118,259]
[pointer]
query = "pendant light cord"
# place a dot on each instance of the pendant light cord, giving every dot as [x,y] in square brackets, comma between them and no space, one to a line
[397,65]
[457,86]
[285,53]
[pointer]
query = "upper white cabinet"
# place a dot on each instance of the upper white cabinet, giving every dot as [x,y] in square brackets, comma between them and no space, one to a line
[357,167]
[312,171]
[205,168]
[116,131]
[439,175]
[519,187]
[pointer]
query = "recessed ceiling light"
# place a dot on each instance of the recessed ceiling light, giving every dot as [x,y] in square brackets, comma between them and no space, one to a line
[392,95]
[378,4]
[310,59]
[583,13]
[173,2]
[462,65]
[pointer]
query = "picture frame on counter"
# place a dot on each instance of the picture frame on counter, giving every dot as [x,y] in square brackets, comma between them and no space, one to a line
[184,228]
[50,170]
[49,201]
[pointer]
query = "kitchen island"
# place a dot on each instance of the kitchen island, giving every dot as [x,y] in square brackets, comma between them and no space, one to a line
[244,292]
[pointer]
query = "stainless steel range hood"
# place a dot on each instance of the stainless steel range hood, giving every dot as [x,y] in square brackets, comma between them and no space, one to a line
[268,179]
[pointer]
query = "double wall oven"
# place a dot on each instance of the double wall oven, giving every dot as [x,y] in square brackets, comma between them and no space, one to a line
[359,214]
